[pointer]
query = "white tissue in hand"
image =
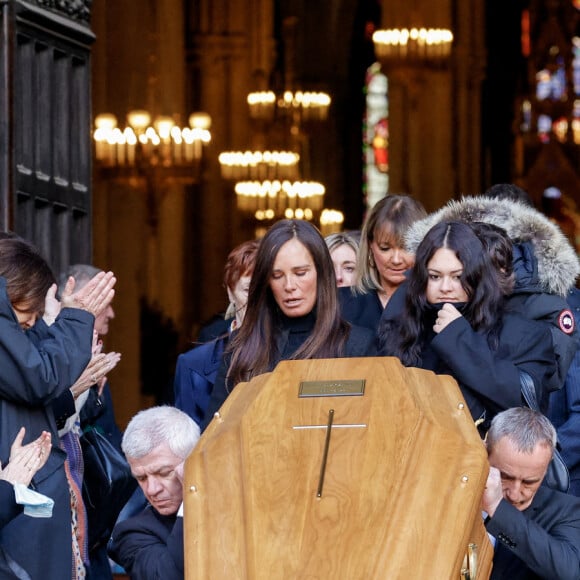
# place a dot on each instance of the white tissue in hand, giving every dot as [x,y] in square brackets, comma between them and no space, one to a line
[35,504]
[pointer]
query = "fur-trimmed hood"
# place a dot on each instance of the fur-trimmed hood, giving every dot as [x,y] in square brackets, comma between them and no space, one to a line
[557,262]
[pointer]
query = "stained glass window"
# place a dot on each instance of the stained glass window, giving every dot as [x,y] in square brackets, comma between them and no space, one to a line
[376,136]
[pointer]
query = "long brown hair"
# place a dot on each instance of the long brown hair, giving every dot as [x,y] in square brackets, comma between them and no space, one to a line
[253,348]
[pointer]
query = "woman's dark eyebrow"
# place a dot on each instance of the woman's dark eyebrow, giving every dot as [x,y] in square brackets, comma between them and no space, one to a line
[435,271]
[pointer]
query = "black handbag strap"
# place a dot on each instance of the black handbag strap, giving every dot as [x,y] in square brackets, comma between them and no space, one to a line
[529,391]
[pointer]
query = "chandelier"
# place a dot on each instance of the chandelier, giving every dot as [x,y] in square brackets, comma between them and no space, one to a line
[142,144]
[268,200]
[311,106]
[242,165]
[403,47]
[154,153]
[269,184]
[270,176]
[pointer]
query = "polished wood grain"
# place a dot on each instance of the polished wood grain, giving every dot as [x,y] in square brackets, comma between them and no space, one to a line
[400,497]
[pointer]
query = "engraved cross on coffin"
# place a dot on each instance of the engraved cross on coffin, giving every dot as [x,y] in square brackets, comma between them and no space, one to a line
[329,389]
[399,493]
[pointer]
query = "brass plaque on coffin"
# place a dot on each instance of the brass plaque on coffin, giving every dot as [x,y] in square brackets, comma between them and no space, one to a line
[339,388]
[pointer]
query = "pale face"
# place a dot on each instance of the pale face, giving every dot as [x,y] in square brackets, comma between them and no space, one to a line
[156,474]
[26,317]
[102,320]
[444,283]
[344,260]
[238,295]
[391,262]
[294,279]
[521,473]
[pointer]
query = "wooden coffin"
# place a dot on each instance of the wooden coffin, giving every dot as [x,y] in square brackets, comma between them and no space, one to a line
[391,490]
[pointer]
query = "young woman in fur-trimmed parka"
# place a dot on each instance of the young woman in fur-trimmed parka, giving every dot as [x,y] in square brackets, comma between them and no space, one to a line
[545,267]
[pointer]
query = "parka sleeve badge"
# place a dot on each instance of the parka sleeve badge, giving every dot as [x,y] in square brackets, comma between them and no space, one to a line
[566,321]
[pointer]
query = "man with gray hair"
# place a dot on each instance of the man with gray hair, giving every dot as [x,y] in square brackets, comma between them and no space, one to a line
[536,530]
[156,443]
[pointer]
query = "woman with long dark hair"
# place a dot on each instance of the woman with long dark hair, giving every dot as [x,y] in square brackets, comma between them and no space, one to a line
[455,323]
[293,311]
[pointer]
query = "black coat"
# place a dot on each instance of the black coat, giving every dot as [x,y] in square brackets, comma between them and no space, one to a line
[360,309]
[489,377]
[527,300]
[564,410]
[149,546]
[541,542]
[543,311]
[530,300]
[545,265]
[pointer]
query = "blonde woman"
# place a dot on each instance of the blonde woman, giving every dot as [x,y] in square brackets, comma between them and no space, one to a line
[343,250]
[382,261]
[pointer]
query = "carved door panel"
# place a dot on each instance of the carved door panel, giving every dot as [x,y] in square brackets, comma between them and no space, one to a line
[45,139]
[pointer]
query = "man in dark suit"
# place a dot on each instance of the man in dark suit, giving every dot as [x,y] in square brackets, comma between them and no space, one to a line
[156,443]
[536,530]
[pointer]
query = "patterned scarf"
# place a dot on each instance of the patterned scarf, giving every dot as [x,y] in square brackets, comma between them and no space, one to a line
[74,468]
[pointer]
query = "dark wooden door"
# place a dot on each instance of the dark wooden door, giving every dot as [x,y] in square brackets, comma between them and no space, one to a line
[45,126]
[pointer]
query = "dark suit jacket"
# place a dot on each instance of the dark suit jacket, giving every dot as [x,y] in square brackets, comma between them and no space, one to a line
[149,546]
[542,541]
[195,375]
